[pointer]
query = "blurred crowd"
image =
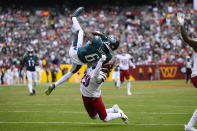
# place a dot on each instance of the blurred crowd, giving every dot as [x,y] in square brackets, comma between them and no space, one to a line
[149,34]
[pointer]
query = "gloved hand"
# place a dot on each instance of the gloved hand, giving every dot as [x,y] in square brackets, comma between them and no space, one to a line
[180,19]
[103,58]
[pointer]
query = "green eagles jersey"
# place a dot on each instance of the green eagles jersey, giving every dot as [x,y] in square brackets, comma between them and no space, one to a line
[30,62]
[92,52]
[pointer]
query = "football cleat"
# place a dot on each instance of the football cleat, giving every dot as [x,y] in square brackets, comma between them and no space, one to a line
[50,89]
[129,93]
[188,128]
[123,116]
[77,12]
[116,108]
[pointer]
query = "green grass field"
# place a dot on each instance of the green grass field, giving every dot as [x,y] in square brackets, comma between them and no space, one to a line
[154,106]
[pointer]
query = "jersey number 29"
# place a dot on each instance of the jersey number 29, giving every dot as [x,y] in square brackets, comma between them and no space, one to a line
[86,79]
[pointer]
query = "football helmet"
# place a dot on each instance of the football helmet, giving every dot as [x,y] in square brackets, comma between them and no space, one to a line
[30,51]
[112,43]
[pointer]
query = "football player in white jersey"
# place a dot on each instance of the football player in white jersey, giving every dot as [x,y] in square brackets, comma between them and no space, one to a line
[116,74]
[99,44]
[91,93]
[124,64]
[192,43]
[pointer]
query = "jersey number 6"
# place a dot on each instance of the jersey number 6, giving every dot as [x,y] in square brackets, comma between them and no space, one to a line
[92,57]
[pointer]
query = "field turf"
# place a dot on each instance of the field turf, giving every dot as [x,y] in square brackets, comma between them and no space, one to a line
[154,106]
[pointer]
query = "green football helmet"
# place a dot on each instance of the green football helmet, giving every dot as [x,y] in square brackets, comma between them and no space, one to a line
[30,51]
[112,43]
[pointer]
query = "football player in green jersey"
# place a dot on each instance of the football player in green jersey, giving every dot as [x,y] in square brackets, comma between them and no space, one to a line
[100,44]
[30,61]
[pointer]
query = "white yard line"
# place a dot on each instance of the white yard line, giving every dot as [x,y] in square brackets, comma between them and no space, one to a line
[88,123]
[20,104]
[81,112]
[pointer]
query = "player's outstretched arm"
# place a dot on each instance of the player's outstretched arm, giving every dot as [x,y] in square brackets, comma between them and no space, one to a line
[186,38]
[98,69]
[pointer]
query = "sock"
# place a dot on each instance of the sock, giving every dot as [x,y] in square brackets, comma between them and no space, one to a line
[111,116]
[63,78]
[80,38]
[76,25]
[30,87]
[128,86]
[110,110]
[193,119]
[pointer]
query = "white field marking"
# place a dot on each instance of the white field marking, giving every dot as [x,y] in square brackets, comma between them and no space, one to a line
[88,123]
[81,112]
[20,104]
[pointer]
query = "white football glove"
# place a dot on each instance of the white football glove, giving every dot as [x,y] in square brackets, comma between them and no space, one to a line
[180,19]
[103,58]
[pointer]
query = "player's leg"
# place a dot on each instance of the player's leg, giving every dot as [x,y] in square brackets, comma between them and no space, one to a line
[74,68]
[89,107]
[34,77]
[121,77]
[78,41]
[127,75]
[29,77]
[105,115]
[194,81]
[118,79]
[190,125]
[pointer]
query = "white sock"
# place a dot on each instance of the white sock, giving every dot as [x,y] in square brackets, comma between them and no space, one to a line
[30,86]
[128,86]
[110,110]
[63,78]
[193,119]
[118,83]
[76,25]
[80,38]
[111,116]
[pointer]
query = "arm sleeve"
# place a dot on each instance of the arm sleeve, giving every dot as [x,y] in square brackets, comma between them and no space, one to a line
[97,69]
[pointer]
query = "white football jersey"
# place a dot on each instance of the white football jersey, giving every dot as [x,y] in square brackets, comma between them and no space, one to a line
[194,69]
[91,82]
[124,61]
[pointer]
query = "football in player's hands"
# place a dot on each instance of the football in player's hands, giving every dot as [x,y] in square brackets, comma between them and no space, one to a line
[103,58]
[180,18]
